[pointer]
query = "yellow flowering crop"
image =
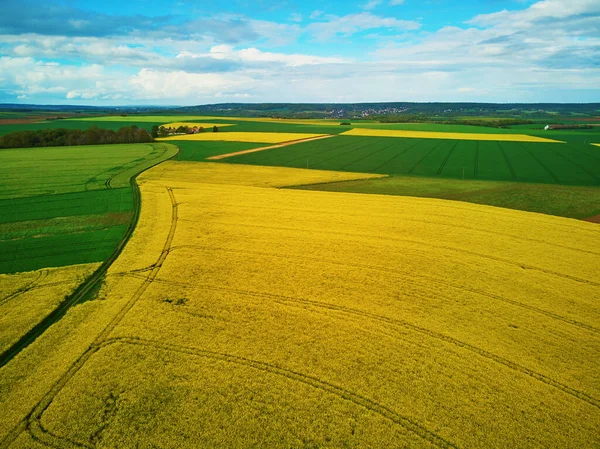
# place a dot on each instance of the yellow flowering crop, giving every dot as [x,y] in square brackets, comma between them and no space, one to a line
[233,136]
[445,135]
[245,315]
[26,298]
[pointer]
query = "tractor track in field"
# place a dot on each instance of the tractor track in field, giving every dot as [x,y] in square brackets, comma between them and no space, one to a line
[447,158]
[32,422]
[507,160]
[343,167]
[313,153]
[541,164]
[87,286]
[581,167]
[580,395]
[30,286]
[425,156]
[375,170]
[476,159]
[362,401]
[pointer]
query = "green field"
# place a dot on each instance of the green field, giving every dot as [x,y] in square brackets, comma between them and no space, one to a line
[66,205]
[566,201]
[199,150]
[552,163]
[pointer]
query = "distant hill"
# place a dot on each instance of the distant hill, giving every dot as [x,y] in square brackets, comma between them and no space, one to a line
[522,111]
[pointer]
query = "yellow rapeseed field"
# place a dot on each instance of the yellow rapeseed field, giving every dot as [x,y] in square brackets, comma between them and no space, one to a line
[26,298]
[445,135]
[233,136]
[245,315]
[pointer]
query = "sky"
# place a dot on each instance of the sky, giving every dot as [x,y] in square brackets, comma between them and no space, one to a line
[179,52]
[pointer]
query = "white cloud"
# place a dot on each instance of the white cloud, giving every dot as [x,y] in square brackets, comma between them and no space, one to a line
[542,53]
[547,9]
[295,17]
[253,55]
[372,4]
[354,23]
[179,85]
[396,2]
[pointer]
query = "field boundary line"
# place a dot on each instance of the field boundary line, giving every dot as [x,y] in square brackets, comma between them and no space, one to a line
[355,398]
[366,178]
[36,430]
[255,150]
[84,287]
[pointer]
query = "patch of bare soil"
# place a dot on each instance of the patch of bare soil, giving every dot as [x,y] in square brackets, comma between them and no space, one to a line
[594,219]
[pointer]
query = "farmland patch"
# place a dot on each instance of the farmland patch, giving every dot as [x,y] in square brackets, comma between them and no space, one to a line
[389,319]
[233,136]
[446,135]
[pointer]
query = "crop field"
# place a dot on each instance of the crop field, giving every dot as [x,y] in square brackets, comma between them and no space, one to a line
[243,315]
[200,150]
[554,163]
[580,202]
[234,136]
[72,124]
[26,298]
[445,135]
[235,124]
[67,205]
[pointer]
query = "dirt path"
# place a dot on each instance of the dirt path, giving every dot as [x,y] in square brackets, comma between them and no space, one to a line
[594,219]
[254,150]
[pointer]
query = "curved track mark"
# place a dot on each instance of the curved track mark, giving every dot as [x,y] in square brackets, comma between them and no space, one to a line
[33,419]
[419,329]
[41,275]
[83,288]
[362,401]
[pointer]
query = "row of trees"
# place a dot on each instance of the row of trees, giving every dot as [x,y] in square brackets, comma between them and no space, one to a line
[161,131]
[67,137]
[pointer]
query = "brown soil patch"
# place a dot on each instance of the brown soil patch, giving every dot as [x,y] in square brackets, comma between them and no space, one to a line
[594,219]
[254,150]
[18,121]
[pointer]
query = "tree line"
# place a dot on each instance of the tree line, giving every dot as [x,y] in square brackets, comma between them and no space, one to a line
[56,137]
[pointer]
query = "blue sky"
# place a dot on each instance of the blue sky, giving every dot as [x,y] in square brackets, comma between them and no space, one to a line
[191,52]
